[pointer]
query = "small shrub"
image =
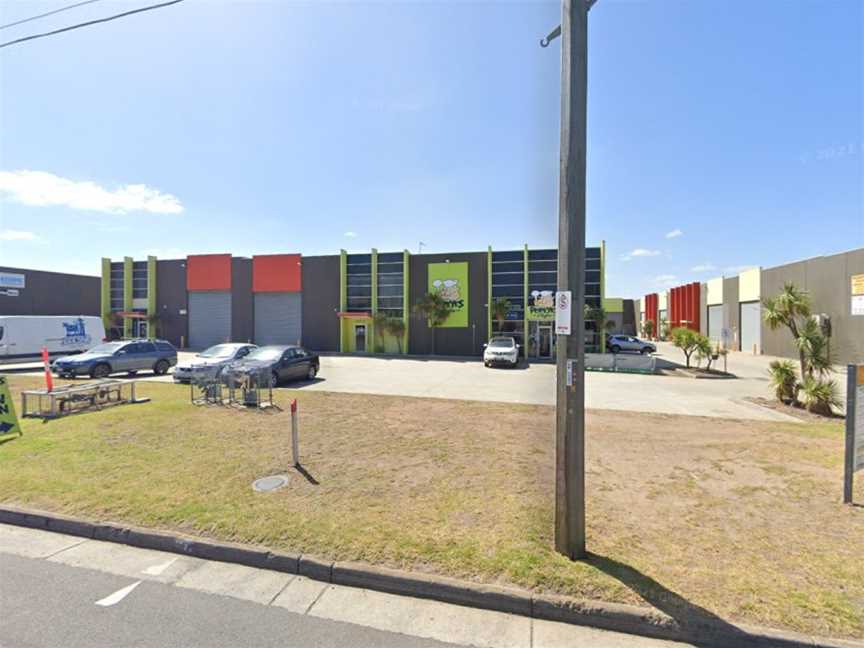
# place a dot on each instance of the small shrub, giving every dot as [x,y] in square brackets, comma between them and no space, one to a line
[784,380]
[820,396]
[690,341]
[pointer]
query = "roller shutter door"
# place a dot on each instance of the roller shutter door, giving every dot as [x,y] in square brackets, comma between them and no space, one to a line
[715,323]
[278,318]
[751,326]
[209,318]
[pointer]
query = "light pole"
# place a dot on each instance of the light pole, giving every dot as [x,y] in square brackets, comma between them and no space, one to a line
[570,394]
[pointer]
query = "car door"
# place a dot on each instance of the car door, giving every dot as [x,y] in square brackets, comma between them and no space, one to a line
[304,358]
[145,356]
[286,365]
[124,357]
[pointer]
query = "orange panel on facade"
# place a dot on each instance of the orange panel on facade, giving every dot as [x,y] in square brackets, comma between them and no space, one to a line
[208,272]
[277,273]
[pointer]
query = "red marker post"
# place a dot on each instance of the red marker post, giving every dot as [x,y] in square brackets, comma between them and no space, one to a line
[295,445]
[49,379]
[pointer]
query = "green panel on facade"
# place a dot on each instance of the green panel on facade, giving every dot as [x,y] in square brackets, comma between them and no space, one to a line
[450,280]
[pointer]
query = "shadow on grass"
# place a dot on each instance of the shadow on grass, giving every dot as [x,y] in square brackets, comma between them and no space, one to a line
[6,438]
[306,474]
[702,627]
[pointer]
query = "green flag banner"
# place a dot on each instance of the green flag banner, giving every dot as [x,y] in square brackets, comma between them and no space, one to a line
[450,280]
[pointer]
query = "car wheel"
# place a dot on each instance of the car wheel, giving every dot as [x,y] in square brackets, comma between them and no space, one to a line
[131,373]
[486,364]
[615,348]
[274,379]
[161,368]
[101,370]
[313,371]
[646,351]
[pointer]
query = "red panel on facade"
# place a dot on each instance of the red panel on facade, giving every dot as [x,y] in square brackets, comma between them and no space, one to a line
[208,272]
[651,303]
[276,273]
[684,306]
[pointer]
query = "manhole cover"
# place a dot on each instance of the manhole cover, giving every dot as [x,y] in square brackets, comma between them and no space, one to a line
[271,483]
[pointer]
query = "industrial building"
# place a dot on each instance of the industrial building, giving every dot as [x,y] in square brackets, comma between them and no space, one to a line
[36,292]
[729,309]
[346,302]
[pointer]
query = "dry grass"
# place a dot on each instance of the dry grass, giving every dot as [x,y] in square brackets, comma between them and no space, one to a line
[696,516]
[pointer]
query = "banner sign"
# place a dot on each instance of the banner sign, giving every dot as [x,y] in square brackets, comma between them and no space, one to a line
[450,280]
[858,294]
[11,280]
[8,420]
[541,306]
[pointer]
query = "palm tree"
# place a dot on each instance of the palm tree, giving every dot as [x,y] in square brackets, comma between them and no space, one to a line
[501,306]
[791,308]
[435,309]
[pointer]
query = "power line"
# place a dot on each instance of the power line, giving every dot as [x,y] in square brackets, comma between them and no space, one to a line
[49,13]
[89,22]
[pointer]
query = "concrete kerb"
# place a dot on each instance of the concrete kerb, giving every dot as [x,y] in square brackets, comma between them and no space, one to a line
[608,616]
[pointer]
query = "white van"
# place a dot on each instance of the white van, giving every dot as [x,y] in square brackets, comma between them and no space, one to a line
[23,336]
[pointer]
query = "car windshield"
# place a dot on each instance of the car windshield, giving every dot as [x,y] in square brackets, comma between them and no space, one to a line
[218,351]
[111,347]
[265,354]
[501,342]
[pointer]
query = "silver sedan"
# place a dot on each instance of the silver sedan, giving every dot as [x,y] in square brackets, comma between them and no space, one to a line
[209,363]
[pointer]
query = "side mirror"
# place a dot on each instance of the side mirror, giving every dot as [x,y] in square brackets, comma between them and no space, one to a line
[485,345]
[518,346]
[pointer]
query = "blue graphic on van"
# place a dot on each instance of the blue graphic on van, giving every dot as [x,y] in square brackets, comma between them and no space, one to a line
[75,332]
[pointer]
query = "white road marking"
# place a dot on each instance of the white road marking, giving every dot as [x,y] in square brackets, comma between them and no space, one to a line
[157,570]
[119,595]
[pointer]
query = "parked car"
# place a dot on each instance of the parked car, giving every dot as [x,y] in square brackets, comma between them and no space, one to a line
[128,356]
[278,362]
[618,343]
[211,362]
[501,351]
[22,337]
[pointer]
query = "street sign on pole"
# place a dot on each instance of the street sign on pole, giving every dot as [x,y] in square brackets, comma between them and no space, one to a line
[854,459]
[563,312]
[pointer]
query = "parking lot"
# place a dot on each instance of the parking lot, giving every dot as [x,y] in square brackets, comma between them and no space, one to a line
[535,384]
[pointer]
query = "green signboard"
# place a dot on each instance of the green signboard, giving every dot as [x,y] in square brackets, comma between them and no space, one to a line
[450,280]
[541,306]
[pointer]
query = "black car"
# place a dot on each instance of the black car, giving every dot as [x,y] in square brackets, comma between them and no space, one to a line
[279,363]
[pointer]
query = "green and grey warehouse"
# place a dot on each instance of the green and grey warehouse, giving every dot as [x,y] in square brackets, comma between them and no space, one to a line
[363,302]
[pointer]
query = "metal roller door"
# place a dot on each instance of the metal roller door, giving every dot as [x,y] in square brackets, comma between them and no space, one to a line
[715,323]
[278,318]
[209,318]
[751,326]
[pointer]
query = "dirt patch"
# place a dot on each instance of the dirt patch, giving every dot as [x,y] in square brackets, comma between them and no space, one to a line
[695,516]
[798,411]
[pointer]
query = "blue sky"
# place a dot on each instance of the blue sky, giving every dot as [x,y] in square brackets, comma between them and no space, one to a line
[256,127]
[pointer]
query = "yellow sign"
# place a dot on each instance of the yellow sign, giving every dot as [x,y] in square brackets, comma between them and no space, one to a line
[858,284]
[8,420]
[861,374]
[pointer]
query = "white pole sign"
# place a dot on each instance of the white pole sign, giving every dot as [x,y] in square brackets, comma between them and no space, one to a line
[563,311]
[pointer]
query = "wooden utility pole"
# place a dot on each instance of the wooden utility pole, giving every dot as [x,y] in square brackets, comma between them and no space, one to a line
[570,399]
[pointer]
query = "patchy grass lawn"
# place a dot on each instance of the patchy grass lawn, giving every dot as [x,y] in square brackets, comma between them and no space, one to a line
[696,516]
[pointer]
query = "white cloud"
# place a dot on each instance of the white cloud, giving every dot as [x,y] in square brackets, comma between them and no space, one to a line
[666,280]
[42,189]
[350,234]
[704,267]
[640,252]
[675,233]
[17,235]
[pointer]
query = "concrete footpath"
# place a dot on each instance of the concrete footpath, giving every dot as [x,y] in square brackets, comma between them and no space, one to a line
[62,590]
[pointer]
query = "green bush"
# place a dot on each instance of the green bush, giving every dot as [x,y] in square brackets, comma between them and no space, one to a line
[690,342]
[820,396]
[784,380]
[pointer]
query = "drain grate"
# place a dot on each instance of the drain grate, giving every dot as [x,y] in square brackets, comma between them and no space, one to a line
[271,483]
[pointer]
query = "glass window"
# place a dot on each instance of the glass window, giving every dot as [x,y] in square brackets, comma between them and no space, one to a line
[391,257]
[265,353]
[359,258]
[545,255]
[507,267]
[145,347]
[507,291]
[516,255]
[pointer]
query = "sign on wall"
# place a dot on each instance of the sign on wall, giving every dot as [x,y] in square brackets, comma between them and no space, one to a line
[11,280]
[858,294]
[450,280]
[541,306]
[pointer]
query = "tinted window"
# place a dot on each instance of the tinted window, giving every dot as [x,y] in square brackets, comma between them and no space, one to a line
[243,352]
[164,346]
[146,347]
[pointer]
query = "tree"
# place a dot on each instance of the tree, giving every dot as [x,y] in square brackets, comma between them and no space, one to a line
[396,327]
[435,309]
[664,329]
[599,316]
[689,341]
[648,328]
[791,308]
[704,350]
[379,322]
[820,396]
[154,323]
[500,308]
[814,345]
